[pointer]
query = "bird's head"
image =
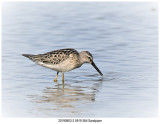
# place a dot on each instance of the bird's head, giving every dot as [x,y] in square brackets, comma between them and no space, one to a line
[86,57]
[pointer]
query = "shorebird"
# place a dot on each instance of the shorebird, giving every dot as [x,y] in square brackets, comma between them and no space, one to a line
[63,60]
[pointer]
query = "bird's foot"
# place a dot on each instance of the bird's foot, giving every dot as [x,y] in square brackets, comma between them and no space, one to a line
[55,80]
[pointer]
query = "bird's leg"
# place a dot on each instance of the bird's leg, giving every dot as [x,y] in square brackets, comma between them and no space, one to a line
[55,80]
[63,78]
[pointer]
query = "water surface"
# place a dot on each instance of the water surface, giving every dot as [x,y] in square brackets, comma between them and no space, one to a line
[123,38]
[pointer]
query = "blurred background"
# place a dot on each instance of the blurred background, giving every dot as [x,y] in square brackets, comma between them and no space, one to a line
[123,38]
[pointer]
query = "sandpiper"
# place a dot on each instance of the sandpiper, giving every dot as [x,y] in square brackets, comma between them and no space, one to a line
[63,60]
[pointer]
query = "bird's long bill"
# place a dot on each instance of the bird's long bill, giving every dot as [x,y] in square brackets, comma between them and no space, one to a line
[93,64]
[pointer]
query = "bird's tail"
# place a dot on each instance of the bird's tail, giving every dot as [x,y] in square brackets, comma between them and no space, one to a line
[31,57]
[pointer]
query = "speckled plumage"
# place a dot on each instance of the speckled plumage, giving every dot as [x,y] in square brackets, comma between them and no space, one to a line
[63,60]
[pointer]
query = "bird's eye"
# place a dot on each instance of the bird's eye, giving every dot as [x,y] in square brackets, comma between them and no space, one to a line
[90,58]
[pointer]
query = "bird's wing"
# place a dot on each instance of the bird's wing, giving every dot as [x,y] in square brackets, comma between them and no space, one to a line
[57,56]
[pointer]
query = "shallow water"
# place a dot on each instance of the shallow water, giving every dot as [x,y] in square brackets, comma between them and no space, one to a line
[123,38]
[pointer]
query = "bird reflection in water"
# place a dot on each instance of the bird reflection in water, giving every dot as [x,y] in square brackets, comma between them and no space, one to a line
[73,95]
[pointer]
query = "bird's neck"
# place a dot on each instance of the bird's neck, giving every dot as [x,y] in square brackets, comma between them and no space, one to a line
[81,58]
